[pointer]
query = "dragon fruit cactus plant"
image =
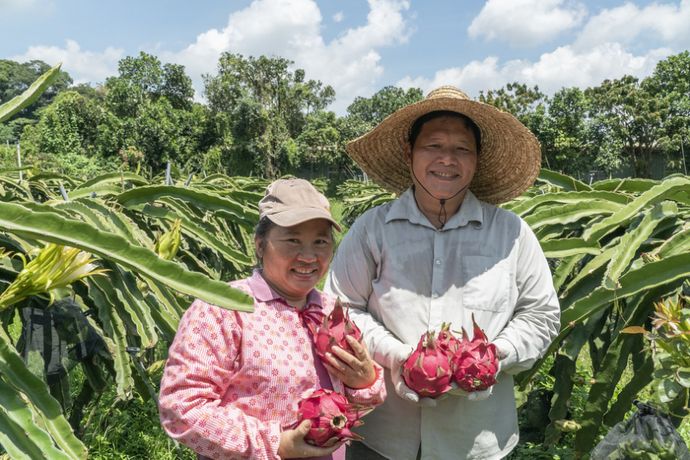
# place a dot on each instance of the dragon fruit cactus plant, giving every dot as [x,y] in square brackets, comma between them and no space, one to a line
[428,369]
[335,327]
[475,363]
[332,417]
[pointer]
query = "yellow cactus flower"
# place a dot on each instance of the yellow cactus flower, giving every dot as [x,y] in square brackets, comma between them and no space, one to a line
[53,268]
[169,242]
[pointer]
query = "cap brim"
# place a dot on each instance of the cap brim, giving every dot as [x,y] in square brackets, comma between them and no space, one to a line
[292,217]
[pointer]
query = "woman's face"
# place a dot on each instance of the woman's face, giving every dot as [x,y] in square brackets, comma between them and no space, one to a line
[295,258]
[444,156]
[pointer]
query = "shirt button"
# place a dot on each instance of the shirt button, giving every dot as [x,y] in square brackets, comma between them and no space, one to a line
[437,261]
[434,295]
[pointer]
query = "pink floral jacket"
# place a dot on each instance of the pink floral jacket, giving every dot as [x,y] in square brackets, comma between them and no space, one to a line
[232,379]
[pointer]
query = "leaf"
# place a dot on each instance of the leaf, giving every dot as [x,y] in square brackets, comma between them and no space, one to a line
[668,390]
[572,212]
[631,241]
[114,178]
[202,200]
[623,215]
[566,247]
[561,180]
[30,95]
[104,302]
[651,275]
[48,226]
[15,372]
[683,375]
[627,185]
[553,199]
[20,435]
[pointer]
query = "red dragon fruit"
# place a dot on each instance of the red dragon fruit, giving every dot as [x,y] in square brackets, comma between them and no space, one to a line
[428,371]
[335,327]
[332,417]
[447,341]
[476,362]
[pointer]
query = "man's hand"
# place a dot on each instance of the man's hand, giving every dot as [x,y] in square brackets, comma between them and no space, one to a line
[470,395]
[406,392]
[293,445]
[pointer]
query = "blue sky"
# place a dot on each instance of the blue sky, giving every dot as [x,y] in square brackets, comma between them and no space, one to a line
[360,46]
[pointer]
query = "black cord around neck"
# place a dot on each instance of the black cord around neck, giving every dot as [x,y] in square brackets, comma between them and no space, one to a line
[442,212]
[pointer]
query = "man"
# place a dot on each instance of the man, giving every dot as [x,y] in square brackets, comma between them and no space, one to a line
[442,252]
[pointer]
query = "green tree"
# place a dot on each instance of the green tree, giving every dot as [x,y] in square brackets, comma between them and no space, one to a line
[628,118]
[66,137]
[263,105]
[671,80]
[374,109]
[154,114]
[319,141]
[364,114]
[529,105]
[567,143]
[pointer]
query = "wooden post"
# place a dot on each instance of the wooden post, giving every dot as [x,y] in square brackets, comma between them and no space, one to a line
[19,163]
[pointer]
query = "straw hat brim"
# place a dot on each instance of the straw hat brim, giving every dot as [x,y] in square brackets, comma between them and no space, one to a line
[509,159]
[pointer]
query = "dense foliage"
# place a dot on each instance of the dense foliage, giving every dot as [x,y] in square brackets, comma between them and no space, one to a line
[264,117]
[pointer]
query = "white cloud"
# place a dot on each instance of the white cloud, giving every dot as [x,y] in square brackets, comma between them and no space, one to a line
[526,22]
[564,67]
[625,24]
[83,66]
[338,17]
[291,29]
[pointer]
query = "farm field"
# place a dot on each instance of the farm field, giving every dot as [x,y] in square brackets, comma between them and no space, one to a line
[96,272]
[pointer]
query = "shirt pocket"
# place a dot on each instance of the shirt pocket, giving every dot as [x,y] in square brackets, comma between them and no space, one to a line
[486,283]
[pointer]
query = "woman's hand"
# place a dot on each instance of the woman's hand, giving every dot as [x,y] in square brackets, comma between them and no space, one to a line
[356,371]
[293,445]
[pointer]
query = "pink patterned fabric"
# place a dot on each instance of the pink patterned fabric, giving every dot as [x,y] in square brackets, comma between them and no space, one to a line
[233,379]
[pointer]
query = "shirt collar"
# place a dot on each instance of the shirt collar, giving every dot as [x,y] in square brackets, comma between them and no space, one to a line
[262,292]
[405,208]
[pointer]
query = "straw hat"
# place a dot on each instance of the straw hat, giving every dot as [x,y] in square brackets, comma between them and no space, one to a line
[509,159]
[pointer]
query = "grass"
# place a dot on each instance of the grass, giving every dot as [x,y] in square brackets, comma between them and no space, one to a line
[126,430]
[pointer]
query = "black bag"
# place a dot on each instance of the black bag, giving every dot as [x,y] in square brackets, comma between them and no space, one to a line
[648,434]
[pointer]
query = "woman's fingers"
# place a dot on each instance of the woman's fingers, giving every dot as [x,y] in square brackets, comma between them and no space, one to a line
[356,346]
[345,357]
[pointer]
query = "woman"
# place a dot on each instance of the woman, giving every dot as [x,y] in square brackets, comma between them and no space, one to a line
[233,379]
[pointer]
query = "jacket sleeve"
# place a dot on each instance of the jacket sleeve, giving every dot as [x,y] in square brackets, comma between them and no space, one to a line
[354,268]
[536,318]
[201,363]
[371,396]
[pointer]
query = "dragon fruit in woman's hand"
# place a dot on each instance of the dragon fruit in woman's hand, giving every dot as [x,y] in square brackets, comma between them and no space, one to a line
[335,327]
[475,363]
[332,417]
[428,370]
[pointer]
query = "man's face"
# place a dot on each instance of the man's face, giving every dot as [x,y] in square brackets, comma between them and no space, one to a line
[444,157]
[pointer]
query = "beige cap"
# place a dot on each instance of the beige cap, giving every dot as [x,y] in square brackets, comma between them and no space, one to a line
[290,202]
